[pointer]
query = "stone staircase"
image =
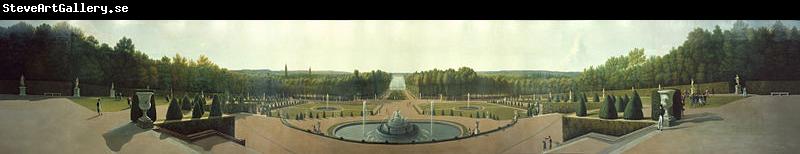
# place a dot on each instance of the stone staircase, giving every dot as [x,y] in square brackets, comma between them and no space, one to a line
[617,144]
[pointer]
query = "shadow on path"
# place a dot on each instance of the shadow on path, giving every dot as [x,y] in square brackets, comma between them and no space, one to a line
[95,116]
[699,118]
[210,142]
[119,136]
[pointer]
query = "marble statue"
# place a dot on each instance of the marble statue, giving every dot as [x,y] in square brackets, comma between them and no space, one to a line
[22,89]
[76,92]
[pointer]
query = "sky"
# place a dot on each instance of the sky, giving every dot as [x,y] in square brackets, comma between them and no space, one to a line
[398,46]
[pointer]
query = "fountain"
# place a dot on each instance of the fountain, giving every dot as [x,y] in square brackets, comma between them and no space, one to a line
[397,125]
[397,129]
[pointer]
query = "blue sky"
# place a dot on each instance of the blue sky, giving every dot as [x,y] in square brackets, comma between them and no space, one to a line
[399,46]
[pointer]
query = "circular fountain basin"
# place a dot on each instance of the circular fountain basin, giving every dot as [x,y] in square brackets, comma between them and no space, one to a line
[370,131]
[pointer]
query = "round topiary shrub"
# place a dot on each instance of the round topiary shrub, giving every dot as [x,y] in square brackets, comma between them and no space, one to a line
[633,111]
[174,111]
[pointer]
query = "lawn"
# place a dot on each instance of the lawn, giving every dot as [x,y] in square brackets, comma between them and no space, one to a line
[345,108]
[108,104]
[503,112]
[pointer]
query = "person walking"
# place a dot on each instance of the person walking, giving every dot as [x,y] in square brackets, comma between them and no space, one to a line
[544,145]
[98,107]
[550,142]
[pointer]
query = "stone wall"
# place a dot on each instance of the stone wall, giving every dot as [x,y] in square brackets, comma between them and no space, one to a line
[225,124]
[576,126]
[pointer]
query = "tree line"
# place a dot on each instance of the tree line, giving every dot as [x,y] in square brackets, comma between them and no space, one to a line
[753,53]
[63,53]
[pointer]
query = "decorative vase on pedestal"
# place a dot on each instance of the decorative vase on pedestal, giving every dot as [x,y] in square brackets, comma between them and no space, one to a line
[144,104]
[666,103]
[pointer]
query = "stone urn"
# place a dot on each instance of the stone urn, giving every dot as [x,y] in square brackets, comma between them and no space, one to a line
[144,104]
[666,104]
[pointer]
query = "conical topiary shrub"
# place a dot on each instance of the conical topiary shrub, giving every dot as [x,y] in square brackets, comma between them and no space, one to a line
[174,111]
[152,111]
[620,103]
[633,111]
[186,103]
[581,110]
[596,98]
[608,110]
[655,105]
[198,111]
[135,111]
[216,109]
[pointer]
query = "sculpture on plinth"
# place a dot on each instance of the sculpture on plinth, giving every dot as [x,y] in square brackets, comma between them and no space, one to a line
[22,88]
[76,92]
[738,86]
[112,92]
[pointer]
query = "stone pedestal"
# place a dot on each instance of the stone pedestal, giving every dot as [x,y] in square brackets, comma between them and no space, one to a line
[112,93]
[76,92]
[23,90]
[738,89]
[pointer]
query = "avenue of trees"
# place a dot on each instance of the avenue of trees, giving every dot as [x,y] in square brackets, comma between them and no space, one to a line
[465,80]
[62,53]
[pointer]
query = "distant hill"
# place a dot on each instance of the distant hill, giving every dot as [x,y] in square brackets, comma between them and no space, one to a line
[267,72]
[530,73]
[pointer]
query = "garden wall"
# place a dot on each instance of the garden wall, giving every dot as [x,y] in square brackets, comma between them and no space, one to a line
[576,126]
